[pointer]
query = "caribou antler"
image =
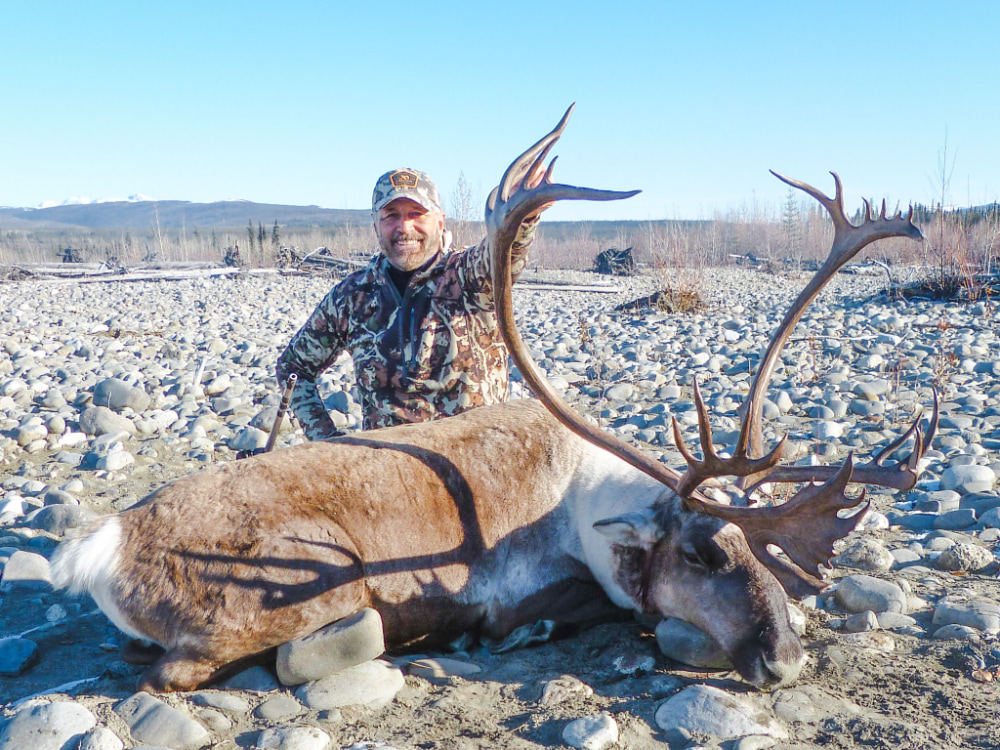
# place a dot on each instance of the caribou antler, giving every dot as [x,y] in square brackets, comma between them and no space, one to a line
[525,188]
[805,527]
[848,241]
[519,193]
[901,475]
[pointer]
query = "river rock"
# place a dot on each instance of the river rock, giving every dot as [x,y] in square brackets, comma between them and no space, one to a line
[152,721]
[248,439]
[862,622]
[991,518]
[619,392]
[591,732]
[222,700]
[278,708]
[863,408]
[99,420]
[117,395]
[28,433]
[905,556]
[441,668]
[50,726]
[265,418]
[687,644]
[58,519]
[828,430]
[346,643]
[956,633]
[562,689]
[961,518]
[16,656]
[371,684]
[896,621]
[968,479]
[708,710]
[255,679]
[101,738]
[866,554]
[858,593]
[25,571]
[965,557]
[980,615]
[293,738]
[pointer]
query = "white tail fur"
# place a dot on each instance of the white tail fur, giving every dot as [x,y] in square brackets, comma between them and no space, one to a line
[89,564]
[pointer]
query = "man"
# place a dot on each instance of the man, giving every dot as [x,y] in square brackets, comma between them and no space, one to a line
[418,320]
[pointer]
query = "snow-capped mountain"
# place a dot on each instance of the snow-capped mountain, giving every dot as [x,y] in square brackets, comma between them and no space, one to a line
[81,200]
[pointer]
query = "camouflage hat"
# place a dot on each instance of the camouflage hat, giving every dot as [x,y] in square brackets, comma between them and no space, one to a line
[406,183]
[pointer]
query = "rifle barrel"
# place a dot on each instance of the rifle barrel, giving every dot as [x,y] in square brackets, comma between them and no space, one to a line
[272,438]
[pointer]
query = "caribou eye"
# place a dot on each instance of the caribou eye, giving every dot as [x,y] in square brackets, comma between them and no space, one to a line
[691,557]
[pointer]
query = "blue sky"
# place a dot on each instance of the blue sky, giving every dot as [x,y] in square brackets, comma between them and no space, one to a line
[307,103]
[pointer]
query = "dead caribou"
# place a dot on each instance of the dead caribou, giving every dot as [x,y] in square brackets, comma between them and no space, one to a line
[485,521]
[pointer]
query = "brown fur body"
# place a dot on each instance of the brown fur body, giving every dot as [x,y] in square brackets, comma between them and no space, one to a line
[480,522]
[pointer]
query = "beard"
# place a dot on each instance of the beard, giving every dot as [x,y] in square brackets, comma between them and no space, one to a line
[408,251]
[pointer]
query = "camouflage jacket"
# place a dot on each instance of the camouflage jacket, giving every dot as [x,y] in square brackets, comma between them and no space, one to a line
[433,351]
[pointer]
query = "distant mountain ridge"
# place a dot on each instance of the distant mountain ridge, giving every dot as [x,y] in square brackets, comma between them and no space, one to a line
[79,200]
[144,214]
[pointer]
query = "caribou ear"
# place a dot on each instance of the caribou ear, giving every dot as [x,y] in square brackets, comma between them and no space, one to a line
[631,529]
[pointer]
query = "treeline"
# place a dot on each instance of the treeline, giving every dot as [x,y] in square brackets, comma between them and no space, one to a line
[800,231]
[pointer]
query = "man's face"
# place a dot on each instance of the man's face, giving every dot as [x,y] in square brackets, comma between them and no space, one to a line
[408,233]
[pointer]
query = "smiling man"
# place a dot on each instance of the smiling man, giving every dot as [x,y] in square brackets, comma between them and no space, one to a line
[418,320]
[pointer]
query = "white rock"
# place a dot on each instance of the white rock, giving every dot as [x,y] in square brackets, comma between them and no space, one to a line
[51,726]
[591,732]
[828,430]
[708,710]
[101,738]
[13,504]
[968,479]
[293,738]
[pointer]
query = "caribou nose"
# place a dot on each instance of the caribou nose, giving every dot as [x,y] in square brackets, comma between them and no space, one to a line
[778,673]
[777,660]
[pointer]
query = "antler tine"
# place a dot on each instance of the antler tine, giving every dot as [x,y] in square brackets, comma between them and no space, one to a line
[834,206]
[525,163]
[921,444]
[933,425]
[548,172]
[879,458]
[713,465]
[901,475]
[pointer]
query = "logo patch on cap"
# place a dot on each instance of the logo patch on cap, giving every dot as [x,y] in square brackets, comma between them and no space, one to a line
[403,180]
